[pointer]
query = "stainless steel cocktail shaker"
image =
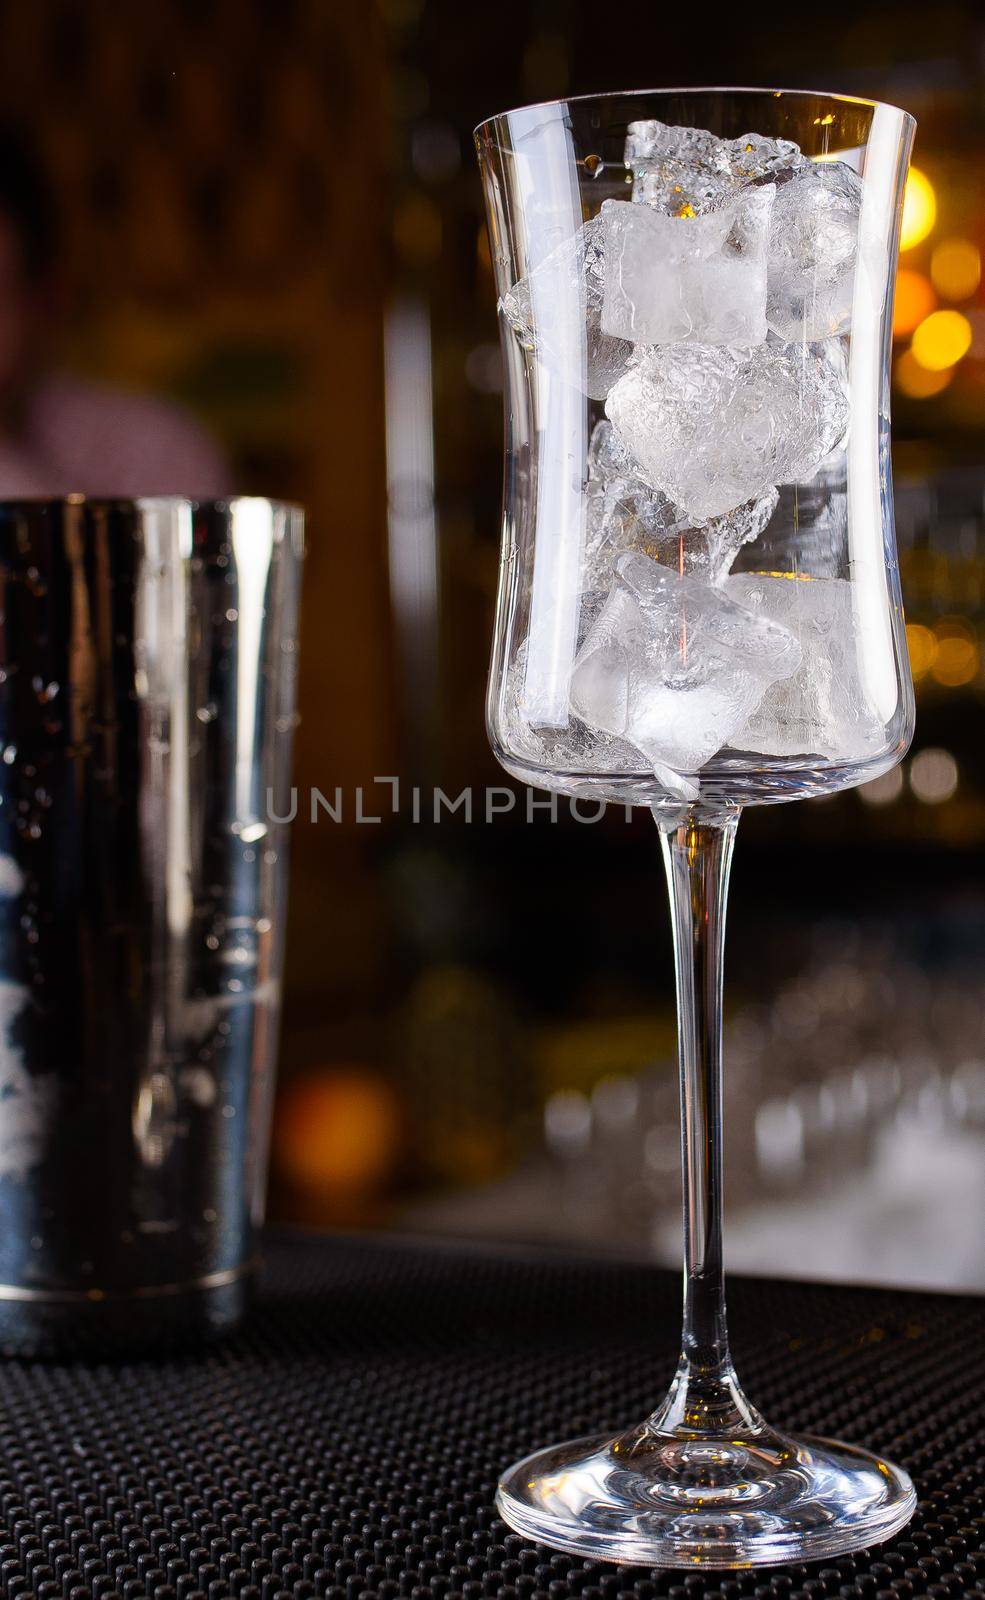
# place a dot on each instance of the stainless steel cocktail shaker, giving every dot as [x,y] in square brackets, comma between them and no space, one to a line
[147,690]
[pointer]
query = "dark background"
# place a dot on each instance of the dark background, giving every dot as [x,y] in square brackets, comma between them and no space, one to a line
[271,213]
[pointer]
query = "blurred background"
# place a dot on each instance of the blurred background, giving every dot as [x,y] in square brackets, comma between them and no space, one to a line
[265,221]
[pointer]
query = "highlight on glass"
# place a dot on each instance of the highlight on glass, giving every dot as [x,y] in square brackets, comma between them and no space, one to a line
[699,610]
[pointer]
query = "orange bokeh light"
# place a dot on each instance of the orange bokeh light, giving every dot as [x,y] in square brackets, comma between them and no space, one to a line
[949,651]
[922,646]
[956,659]
[915,299]
[916,381]
[337,1131]
[956,268]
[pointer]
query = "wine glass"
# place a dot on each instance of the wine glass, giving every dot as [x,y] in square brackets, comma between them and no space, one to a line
[698,610]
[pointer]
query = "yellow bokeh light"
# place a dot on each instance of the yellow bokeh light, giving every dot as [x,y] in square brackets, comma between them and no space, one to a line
[915,299]
[941,340]
[919,209]
[915,381]
[921,643]
[956,268]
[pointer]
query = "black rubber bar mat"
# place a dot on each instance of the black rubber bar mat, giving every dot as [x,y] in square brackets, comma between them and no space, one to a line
[347,1442]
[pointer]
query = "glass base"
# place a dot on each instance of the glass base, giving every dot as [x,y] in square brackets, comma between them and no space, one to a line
[660,1500]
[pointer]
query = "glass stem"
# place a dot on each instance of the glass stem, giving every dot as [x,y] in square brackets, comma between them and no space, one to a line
[705,1398]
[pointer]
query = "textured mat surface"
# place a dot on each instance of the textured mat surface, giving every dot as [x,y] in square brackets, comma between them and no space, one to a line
[347,1443]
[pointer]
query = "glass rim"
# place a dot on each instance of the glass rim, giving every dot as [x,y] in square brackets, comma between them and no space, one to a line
[123,502]
[711,88]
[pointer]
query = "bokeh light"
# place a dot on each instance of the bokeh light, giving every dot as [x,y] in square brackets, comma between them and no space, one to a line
[921,643]
[915,299]
[933,776]
[915,381]
[957,655]
[941,340]
[882,791]
[337,1131]
[956,268]
[919,209]
[949,652]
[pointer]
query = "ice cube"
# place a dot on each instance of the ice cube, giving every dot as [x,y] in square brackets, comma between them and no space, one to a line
[688,171]
[798,398]
[652,140]
[813,243]
[556,311]
[608,457]
[687,277]
[822,709]
[674,666]
[560,752]
[624,512]
[713,427]
[683,172]
[725,536]
[753,158]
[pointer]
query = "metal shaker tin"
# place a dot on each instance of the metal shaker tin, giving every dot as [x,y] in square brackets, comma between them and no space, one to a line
[148,657]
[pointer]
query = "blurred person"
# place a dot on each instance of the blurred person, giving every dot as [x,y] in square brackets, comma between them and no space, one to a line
[61,434]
